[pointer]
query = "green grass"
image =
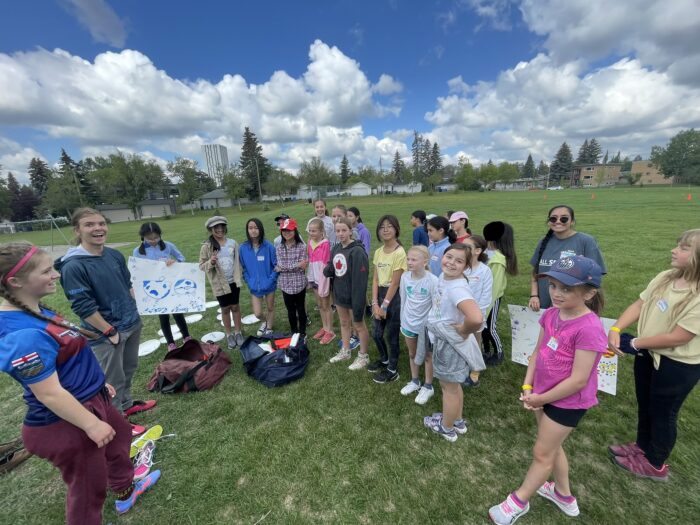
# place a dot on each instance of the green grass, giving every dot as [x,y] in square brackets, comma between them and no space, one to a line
[337,448]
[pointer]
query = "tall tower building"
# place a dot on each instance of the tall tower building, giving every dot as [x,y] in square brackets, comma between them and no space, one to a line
[216,158]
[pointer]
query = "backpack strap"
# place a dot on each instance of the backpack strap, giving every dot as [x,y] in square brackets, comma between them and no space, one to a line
[185,377]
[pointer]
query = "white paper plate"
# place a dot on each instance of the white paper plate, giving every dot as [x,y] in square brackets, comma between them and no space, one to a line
[218,310]
[175,329]
[213,336]
[211,304]
[218,317]
[176,337]
[250,319]
[193,318]
[148,347]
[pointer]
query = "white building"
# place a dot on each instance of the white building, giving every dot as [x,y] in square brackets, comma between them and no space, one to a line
[216,159]
[411,187]
[360,189]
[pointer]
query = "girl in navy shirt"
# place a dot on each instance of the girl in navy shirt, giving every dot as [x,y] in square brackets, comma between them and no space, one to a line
[70,420]
[154,248]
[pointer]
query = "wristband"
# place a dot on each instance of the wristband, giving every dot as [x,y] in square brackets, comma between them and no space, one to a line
[533,296]
[526,387]
[110,332]
[614,329]
[386,301]
[633,345]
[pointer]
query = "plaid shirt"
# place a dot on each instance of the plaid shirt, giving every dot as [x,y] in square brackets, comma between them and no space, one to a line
[292,279]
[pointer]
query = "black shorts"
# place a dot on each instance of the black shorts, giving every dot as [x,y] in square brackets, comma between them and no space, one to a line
[230,299]
[568,417]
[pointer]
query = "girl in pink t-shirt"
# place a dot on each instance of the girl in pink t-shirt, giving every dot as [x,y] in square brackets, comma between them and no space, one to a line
[561,382]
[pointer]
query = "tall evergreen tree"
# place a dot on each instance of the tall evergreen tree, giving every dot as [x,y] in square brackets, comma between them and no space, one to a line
[253,166]
[39,175]
[529,170]
[605,157]
[68,169]
[594,152]
[5,210]
[583,153]
[397,168]
[616,159]
[542,169]
[435,160]
[562,163]
[345,172]
[416,155]
[425,158]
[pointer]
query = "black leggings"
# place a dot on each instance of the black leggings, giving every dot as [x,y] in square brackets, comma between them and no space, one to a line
[296,311]
[392,324]
[165,326]
[489,336]
[660,395]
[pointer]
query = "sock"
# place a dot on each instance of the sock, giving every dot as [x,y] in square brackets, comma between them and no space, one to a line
[429,386]
[415,380]
[445,429]
[565,499]
[520,503]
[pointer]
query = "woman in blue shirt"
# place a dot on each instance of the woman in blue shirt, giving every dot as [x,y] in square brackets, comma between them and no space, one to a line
[154,248]
[441,236]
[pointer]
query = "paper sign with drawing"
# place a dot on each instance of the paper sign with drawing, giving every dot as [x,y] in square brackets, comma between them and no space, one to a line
[525,329]
[162,289]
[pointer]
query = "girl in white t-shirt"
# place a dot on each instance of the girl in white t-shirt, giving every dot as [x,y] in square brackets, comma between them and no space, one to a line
[416,290]
[453,319]
[480,283]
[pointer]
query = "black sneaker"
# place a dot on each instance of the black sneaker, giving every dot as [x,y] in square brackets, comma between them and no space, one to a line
[494,360]
[385,376]
[376,366]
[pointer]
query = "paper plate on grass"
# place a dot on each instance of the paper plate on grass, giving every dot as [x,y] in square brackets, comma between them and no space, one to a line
[176,337]
[193,318]
[211,304]
[218,317]
[148,347]
[250,319]
[175,329]
[213,337]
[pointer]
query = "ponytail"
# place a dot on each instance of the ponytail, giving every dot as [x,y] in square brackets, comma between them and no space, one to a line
[543,245]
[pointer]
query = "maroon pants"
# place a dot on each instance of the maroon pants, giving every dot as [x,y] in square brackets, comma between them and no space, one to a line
[86,469]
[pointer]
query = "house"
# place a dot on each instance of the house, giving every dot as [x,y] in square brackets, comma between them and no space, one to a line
[215,199]
[411,187]
[650,173]
[595,175]
[7,227]
[446,187]
[148,209]
[360,189]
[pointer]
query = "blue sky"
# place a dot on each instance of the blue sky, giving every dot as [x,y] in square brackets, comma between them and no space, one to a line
[486,79]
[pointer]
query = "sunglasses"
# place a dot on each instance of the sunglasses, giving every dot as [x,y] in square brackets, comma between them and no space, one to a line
[562,220]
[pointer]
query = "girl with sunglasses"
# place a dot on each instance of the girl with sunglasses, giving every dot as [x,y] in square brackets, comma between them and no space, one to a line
[560,241]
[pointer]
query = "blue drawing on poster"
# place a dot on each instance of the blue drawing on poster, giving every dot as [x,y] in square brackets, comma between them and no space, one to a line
[184,287]
[157,290]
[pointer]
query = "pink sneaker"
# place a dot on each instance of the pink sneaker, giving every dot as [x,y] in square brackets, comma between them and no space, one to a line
[639,466]
[626,450]
[318,335]
[508,511]
[327,338]
[171,347]
[569,508]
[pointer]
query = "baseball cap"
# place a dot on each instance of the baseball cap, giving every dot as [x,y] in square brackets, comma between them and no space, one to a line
[213,221]
[288,224]
[281,216]
[458,215]
[575,271]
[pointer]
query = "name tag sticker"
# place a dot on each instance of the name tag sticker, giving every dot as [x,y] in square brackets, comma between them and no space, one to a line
[261,257]
[553,344]
[434,258]
[662,304]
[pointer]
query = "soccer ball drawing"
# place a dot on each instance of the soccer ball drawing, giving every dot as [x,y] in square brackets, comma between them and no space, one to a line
[184,287]
[156,289]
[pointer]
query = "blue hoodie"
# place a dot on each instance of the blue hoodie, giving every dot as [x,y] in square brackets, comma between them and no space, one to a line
[98,283]
[436,251]
[259,267]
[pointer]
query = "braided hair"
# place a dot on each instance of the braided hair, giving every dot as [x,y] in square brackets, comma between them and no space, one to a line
[10,255]
[146,229]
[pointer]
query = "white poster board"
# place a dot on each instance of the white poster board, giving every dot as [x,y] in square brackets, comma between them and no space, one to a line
[162,289]
[525,328]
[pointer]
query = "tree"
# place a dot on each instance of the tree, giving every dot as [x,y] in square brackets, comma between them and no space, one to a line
[632,178]
[345,172]
[507,172]
[562,163]
[488,173]
[435,161]
[5,210]
[188,180]
[234,185]
[425,158]
[599,176]
[205,182]
[529,170]
[316,173]
[626,164]
[583,153]
[416,152]
[542,169]
[594,152]
[466,178]
[61,196]
[281,183]
[78,173]
[616,159]
[680,158]
[398,168]
[253,166]
[39,175]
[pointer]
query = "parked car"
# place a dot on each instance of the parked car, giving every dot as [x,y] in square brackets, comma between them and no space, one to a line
[555,188]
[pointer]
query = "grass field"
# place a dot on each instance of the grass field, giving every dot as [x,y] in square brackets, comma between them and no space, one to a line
[337,448]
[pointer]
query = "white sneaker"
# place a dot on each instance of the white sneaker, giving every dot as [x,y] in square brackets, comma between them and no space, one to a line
[360,362]
[262,329]
[547,491]
[410,388]
[342,355]
[424,395]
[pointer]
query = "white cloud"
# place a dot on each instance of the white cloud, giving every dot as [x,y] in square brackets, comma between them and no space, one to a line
[100,19]
[14,158]
[387,85]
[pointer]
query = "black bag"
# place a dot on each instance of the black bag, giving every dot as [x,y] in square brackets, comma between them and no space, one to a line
[274,368]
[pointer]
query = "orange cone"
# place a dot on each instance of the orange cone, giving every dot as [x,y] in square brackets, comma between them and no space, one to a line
[690,197]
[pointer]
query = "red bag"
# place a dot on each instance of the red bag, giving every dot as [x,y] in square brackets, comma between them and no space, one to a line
[192,367]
